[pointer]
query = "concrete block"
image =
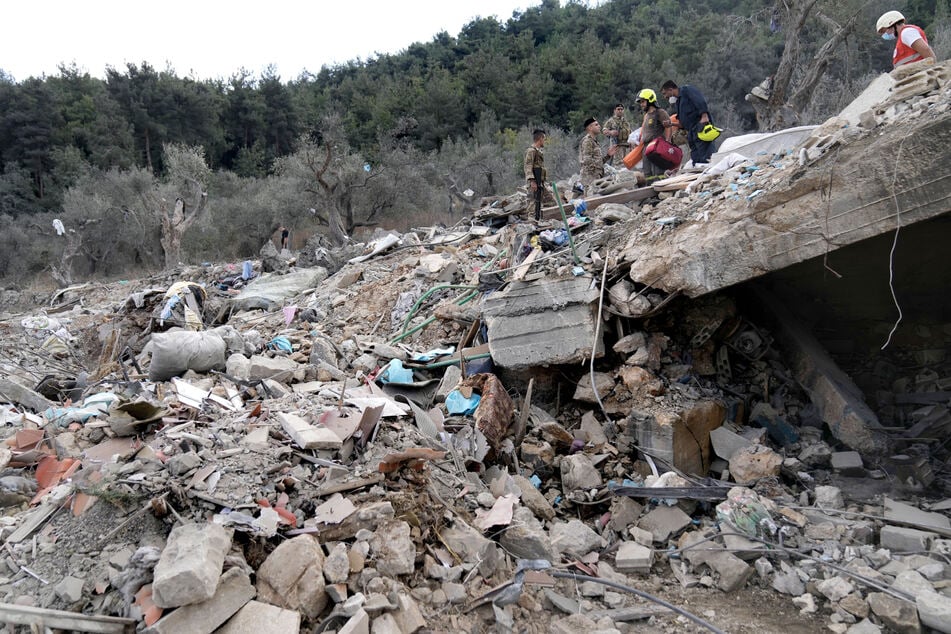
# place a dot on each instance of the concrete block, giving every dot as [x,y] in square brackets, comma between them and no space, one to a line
[934,611]
[277,368]
[732,572]
[633,557]
[664,521]
[539,323]
[579,473]
[901,512]
[899,615]
[526,538]
[359,623]
[408,616]
[682,437]
[904,540]
[726,442]
[260,618]
[234,591]
[533,498]
[190,566]
[575,538]
[307,436]
[848,463]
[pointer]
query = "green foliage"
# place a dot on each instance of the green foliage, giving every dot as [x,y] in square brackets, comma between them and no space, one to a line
[432,121]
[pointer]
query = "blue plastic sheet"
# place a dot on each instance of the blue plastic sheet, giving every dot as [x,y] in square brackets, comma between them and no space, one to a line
[280,343]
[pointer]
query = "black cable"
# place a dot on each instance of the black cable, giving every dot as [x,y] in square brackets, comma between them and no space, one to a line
[640,593]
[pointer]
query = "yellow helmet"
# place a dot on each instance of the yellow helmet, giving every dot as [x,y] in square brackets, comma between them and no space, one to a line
[888,19]
[648,95]
[709,133]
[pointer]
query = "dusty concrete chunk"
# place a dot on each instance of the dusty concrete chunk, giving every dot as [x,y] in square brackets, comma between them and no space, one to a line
[682,437]
[190,565]
[664,521]
[726,442]
[11,391]
[848,463]
[903,540]
[70,589]
[897,614]
[829,497]
[394,549]
[835,588]
[864,627]
[234,591]
[578,472]
[899,511]
[292,576]
[408,616]
[934,611]
[277,368]
[732,572]
[526,538]
[749,464]
[307,436]
[258,618]
[533,499]
[633,557]
[575,538]
[550,322]
[337,564]
[359,623]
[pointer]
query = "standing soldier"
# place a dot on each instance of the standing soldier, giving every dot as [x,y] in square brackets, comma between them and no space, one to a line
[590,156]
[617,129]
[535,173]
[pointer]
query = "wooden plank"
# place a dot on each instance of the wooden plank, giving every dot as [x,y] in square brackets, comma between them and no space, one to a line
[62,620]
[39,515]
[641,193]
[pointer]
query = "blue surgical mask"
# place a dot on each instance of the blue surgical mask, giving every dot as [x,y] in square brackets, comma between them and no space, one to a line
[888,36]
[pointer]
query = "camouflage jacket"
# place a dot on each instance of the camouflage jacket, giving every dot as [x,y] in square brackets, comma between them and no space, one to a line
[591,159]
[534,157]
[622,126]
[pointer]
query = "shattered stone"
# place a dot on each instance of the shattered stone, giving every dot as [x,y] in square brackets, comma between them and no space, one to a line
[828,497]
[864,627]
[393,549]
[575,538]
[256,617]
[579,473]
[70,589]
[233,592]
[848,463]
[664,521]
[337,564]
[190,565]
[934,611]
[854,604]
[749,464]
[533,499]
[292,576]
[526,538]
[895,613]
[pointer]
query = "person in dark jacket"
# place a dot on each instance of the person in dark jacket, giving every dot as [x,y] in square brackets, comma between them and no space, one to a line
[693,114]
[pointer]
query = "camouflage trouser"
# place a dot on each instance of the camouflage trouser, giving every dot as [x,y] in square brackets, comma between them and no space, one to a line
[618,159]
[548,200]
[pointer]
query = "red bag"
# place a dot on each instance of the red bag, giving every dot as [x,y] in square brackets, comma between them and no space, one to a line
[663,154]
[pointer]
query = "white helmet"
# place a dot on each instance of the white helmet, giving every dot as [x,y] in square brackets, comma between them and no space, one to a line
[889,19]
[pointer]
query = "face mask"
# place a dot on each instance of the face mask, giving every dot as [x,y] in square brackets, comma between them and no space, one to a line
[888,36]
[672,100]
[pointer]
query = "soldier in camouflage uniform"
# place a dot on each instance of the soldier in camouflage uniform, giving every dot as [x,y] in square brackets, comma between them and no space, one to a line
[590,156]
[536,175]
[617,129]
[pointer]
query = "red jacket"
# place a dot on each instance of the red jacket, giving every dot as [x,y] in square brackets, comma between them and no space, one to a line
[905,54]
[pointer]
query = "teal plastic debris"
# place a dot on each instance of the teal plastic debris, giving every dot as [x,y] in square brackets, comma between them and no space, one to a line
[394,372]
[280,343]
[456,403]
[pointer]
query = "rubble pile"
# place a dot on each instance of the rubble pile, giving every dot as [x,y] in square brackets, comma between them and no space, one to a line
[495,427]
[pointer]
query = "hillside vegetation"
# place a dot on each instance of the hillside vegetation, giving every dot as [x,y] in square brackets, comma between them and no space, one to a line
[391,141]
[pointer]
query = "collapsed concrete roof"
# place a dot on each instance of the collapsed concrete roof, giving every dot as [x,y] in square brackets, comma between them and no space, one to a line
[846,184]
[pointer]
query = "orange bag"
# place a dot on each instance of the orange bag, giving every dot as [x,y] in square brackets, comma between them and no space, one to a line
[634,156]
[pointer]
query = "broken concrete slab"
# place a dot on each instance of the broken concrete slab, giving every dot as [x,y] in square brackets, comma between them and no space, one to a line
[257,618]
[907,514]
[19,395]
[233,592]
[906,540]
[394,549]
[542,323]
[634,557]
[579,473]
[575,538]
[308,436]
[838,399]
[899,615]
[190,565]
[934,611]
[848,463]
[664,521]
[727,442]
